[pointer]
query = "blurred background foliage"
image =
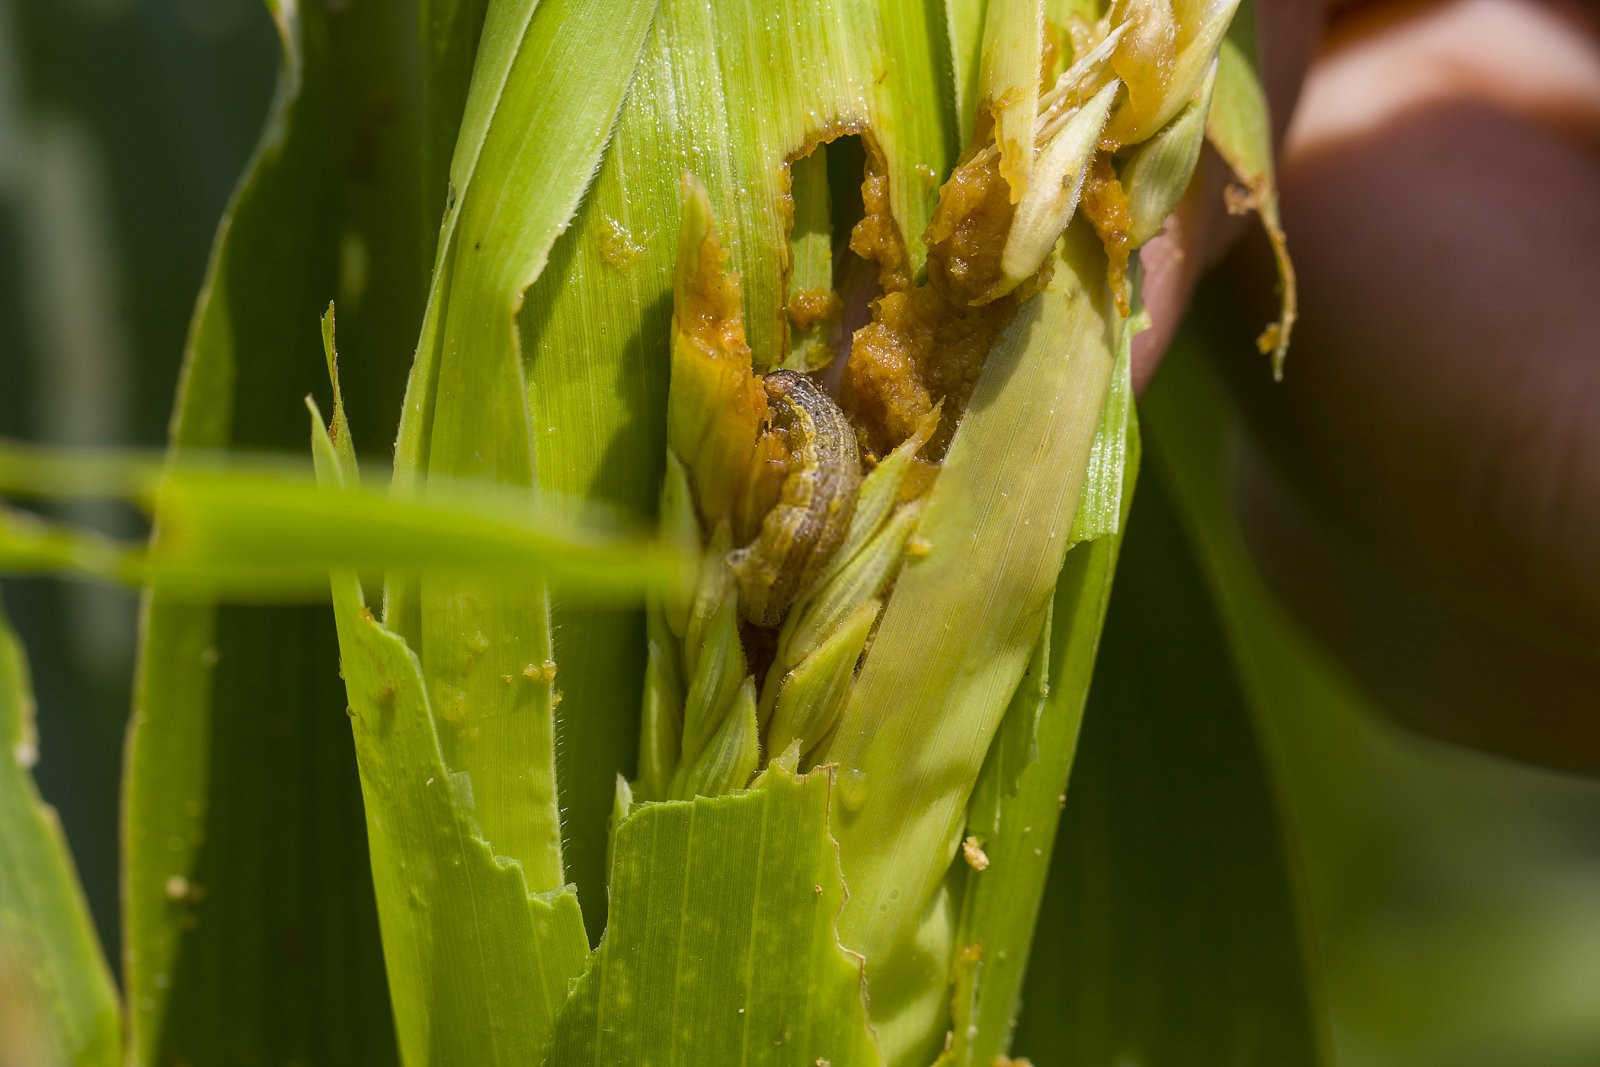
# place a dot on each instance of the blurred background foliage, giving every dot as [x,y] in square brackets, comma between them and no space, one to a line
[1453,899]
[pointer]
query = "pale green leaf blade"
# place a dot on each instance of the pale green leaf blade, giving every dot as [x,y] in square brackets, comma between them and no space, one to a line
[721,946]
[276,954]
[477,964]
[1108,483]
[1017,804]
[964,22]
[1239,127]
[930,697]
[58,1005]
[811,265]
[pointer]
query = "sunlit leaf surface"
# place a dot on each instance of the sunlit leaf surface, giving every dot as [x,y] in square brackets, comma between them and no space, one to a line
[721,943]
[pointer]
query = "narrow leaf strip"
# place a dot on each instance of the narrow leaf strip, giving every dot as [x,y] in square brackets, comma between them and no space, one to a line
[255,528]
[58,1004]
[1017,803]
[964,27]
[721,946]
[813,305]
[1108,484]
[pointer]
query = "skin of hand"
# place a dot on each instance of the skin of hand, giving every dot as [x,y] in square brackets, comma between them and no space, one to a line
[1423,488]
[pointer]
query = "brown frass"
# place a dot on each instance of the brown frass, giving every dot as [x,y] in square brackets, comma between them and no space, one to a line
[927,344]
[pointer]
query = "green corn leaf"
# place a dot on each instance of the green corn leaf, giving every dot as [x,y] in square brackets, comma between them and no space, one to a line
[964,30]
[1018,800]
[727,93]
[1108,483]
[479,976]
[547,85]
[721,947]
[1239,127]
[930,697]
[1008,86]
[258,529]
[275,955]
[58,1005]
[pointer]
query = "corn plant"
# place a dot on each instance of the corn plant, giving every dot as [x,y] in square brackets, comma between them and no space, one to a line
[715,649]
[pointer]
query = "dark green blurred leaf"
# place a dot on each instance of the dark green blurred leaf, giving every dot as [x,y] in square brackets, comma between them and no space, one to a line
[126,126]
[57,1002]
[240,776]
[1172,931]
